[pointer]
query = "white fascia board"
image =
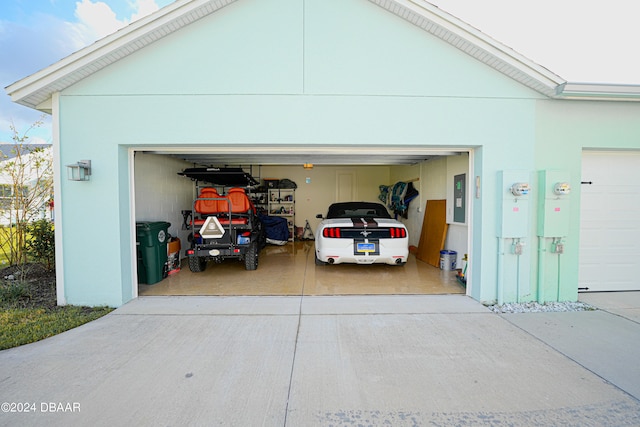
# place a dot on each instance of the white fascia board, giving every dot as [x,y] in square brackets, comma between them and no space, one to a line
[600,92]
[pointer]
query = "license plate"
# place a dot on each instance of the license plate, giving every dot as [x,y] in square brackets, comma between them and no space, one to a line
[365,247]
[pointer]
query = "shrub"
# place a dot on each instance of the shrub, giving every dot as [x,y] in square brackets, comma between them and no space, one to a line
[41,246]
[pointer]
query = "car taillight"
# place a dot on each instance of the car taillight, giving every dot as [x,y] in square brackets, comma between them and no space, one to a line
[331,232]
[397,232]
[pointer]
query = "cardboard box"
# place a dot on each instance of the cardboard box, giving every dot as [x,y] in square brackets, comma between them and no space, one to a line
[173,246]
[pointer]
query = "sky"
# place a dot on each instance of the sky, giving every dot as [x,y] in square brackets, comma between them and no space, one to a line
[581,41]
[37,33]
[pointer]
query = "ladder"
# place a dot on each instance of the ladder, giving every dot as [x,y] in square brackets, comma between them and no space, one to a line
[307,228]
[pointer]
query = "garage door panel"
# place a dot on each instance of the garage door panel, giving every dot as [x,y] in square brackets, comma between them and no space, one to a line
[610,221]
[596,256]
[627,224]
[618,272]
[608,238]
[618,238]
[618,201]
[610,168]
[617,277]
[600,187]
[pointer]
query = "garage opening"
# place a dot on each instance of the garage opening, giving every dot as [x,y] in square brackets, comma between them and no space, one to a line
[321,176]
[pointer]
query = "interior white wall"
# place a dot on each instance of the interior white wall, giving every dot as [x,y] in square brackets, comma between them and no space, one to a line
[457,235]
[435,182]
[160,193]
[315,196]
[431,181]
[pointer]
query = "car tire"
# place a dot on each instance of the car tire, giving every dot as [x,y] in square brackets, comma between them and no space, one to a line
[318,262]
[197,264]
[251,257]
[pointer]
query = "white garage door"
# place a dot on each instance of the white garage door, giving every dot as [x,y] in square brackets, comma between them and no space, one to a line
[610,221]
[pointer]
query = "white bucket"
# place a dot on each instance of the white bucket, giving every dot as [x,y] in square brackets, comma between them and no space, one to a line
[448,260]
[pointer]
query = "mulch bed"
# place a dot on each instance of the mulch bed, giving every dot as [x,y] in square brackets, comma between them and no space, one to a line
[38,283]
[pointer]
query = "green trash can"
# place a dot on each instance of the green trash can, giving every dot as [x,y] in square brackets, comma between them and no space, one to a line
[151,243]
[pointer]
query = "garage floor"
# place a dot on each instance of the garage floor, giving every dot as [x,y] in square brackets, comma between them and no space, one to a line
[291,270]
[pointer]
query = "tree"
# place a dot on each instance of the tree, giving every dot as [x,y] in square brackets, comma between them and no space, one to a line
[25,192]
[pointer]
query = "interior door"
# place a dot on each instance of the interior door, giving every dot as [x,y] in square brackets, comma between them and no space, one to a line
[346,190]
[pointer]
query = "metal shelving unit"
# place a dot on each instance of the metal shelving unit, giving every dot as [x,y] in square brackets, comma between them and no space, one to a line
[282,203]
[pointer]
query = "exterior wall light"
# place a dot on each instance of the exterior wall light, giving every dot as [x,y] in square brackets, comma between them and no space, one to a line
[308,165]
[80,171]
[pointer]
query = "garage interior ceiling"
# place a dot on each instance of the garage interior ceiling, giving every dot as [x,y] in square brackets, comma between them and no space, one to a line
[295,155]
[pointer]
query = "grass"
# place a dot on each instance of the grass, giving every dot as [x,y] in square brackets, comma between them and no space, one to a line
[21,326]
[28,310]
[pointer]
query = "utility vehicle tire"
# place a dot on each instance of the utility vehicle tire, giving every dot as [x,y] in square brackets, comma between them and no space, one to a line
[197,264]
[251,257]
[262,238]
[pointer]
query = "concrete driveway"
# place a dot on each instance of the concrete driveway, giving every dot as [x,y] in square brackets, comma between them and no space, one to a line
[441,360]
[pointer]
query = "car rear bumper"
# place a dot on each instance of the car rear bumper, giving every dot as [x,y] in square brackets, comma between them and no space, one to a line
[363,260]
[333,257]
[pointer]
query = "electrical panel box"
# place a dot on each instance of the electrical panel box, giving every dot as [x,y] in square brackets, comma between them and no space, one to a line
[555,201]
[459,198]
[513,197]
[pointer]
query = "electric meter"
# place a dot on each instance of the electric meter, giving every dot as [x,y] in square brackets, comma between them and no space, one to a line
[561,189]
[520,189]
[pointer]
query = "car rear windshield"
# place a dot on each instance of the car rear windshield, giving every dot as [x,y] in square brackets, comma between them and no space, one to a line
[357,210]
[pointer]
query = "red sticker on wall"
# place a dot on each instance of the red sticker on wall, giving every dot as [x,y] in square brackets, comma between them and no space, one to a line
[557,209]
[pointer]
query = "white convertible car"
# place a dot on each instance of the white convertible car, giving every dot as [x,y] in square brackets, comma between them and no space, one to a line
[360,233]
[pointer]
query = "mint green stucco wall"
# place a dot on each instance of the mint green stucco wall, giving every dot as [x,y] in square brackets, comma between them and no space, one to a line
[563,130]
[295,72]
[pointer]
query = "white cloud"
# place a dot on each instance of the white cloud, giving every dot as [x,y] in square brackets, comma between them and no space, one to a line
[97,20]
[44,41]
[143,8]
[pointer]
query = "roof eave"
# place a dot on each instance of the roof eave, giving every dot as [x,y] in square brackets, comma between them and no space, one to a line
[109,49]
[475,43]
[36,90]
[599,92]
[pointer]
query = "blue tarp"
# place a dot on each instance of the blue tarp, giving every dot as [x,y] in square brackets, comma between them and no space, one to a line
[275,227]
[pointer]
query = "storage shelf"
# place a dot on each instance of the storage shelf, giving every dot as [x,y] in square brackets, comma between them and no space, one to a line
[275,202]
